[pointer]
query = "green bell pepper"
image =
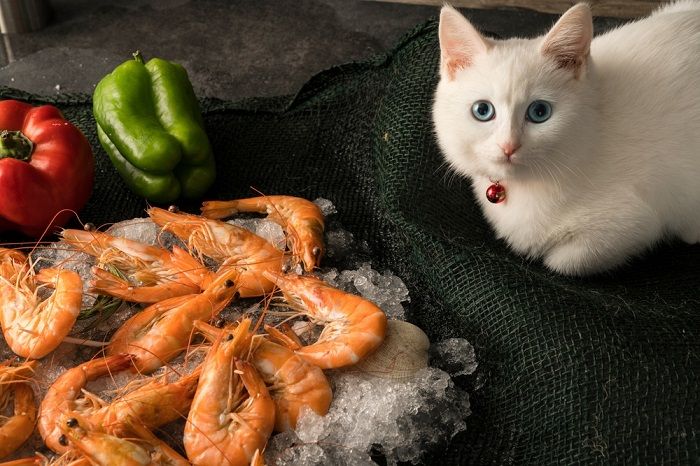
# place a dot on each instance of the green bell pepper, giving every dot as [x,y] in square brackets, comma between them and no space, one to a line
[150,125]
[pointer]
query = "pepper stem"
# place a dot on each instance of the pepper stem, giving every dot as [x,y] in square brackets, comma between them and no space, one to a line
[138,57]
[15,145]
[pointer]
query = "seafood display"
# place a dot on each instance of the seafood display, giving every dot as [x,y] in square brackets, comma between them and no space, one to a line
[188,356]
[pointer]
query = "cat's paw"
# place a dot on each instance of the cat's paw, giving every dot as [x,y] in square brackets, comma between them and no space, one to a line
[690,236]
[578,258]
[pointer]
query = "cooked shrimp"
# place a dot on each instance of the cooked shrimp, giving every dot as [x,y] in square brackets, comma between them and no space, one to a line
[157,273]
[230,245]
[155,403]
[15,429]
[141,449]
[62,396]
[353,326]
[301,219]
[162,331]
[32,327]
[232,414]
[293,383]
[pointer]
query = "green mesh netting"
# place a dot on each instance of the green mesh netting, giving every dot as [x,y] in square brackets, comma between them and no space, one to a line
[604,370]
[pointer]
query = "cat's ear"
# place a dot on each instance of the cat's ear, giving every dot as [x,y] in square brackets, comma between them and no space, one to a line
[568,43]
[459,42]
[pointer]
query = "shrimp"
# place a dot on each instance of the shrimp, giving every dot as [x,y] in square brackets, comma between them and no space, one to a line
[232,415]
[33,328]
[62,396]
[162,331]
[228,244]
[157,273]
[16,429]
[293,383]
[154,404]
[141,449]
[354,326]
[302,220]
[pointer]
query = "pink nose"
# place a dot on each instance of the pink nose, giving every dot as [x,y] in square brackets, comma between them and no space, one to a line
[509,148]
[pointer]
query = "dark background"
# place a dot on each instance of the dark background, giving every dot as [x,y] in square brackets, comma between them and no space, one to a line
[231,49]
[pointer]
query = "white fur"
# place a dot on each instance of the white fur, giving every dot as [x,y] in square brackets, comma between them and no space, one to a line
[617,166]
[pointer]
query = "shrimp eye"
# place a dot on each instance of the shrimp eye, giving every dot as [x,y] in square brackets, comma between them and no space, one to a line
[63,440]
[229,337]
[228,283]
[316,251]
[72,422]
[89,227]
[174,209]
[219,323]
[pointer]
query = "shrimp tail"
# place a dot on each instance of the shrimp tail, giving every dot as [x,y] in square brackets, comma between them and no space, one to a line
[19,427]
[108,282]
[89,242]
[285,337]
[169,221]
[254,384]
[209,332]
[49,276]
[219,209]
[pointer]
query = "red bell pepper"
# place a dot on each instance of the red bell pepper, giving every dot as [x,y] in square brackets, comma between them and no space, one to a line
[46,168]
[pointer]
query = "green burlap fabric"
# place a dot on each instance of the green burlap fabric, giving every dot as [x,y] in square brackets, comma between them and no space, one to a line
[604,370]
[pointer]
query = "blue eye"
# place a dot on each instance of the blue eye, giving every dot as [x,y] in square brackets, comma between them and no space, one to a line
[483,110]
[539,111]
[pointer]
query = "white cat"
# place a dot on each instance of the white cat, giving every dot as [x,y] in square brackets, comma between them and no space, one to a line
[596,143]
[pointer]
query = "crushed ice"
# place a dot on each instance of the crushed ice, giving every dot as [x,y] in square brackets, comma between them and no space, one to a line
[400,420]
[456,356]
[386,290]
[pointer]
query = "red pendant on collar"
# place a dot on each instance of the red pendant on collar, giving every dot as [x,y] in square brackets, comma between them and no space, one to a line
[496,193]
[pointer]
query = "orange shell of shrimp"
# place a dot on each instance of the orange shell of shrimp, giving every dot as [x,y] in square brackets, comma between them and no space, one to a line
[154,404]
[12,264]
[232,246]
[60,397]
[354,326]
[214,434]
[18,427]
[142,448]
[302,220]
[164,274]
[296,383]
[160,332]
[34,328]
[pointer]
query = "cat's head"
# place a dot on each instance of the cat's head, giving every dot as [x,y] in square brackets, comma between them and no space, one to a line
[504,109]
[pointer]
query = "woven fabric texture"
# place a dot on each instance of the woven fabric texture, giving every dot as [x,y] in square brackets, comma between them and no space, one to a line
[602,370]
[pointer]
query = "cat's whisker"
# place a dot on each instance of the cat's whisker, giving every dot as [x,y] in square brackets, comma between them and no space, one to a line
[577,172]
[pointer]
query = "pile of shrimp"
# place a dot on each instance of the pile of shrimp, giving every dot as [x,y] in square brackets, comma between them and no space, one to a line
[256,377]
